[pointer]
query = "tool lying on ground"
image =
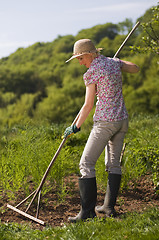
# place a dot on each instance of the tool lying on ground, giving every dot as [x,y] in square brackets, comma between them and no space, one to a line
[38,190]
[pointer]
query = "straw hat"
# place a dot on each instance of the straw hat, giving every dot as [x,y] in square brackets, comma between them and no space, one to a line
[83,46]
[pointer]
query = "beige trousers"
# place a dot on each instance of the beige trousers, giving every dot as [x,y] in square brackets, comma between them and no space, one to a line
[108,136]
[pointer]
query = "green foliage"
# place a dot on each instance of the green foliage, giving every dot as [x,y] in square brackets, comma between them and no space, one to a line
[55,90]
[98,32]
[37,86]
[125,26]
[61,104]
[63,44]
[133,226]
[19,111]
[26,152]
[141,154]
[150,36]
[38,91]
[7,98]
[141,90]
[142,160]
[20,80]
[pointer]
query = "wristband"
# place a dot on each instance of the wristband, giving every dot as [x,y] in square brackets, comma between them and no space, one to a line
[75,128]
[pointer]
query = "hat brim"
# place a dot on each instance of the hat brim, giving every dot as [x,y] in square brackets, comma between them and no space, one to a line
[81,54]
[75,56]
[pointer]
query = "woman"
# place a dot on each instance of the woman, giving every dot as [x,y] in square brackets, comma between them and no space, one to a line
[104,79]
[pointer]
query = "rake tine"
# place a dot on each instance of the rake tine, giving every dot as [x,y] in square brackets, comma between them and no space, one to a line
[24,200]
[38,205]
[46,173]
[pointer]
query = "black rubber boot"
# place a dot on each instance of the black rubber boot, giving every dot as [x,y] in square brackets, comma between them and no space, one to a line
[88,195]
[113,185]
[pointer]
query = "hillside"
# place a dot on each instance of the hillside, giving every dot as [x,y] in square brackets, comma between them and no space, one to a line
[35,82]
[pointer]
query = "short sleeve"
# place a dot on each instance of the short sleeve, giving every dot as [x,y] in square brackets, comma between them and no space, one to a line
[91,76]
[118,61]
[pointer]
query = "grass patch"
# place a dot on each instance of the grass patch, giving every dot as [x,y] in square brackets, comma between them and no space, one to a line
[132,226]
[26,151]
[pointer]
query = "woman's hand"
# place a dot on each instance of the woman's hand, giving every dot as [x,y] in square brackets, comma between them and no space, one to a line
[70,130]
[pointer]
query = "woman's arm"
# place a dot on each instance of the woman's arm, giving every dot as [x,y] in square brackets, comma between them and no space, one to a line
[87,106]
[129,67]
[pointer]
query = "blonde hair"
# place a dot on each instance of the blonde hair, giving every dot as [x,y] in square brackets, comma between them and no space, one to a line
[94,55]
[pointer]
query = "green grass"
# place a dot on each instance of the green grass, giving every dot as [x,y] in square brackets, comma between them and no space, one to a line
[142,153]
[132,226]
[26,151]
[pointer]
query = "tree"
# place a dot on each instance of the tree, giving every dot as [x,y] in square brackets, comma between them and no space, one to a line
[150,38]
[125,26]
[98,32]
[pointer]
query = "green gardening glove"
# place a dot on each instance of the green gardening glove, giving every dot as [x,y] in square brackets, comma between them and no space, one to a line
[71,130]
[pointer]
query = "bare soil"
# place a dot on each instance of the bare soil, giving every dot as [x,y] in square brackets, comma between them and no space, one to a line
[138,197]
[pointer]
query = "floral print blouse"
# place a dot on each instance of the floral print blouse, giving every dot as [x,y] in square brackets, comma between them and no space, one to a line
[106,73]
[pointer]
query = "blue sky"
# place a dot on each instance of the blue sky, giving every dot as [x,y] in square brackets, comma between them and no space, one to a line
[22,23]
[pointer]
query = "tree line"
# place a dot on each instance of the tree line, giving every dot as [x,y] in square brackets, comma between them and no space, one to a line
[36,83]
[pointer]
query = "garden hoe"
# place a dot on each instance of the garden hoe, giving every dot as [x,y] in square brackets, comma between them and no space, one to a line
[38,190]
